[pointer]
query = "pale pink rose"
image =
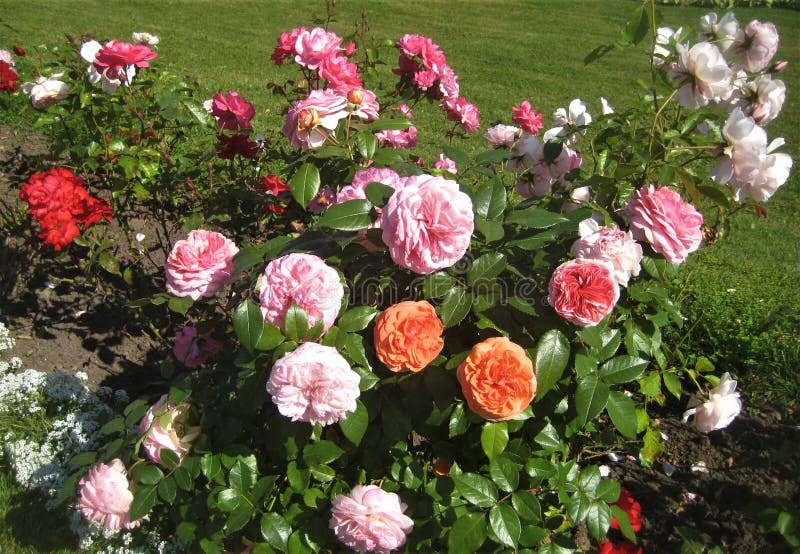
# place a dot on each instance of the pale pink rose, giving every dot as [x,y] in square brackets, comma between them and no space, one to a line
[321,201]
[311,47]
[104,496]
[305,280]
[565,162]
[568,121]
[191,350]
[664,45]
[745,153]
[721,408]
[200,264]
[370,519]
[405,109]
[340,73]
[772,174]
[577,198]
[310,122]
[671,225]
[427,224]
[146,39]
[526,154]
[610,245]
[398,138]
[446,164]
[583,291]
[725,32]
[46,91]
[465,113]
[759,45]
[164,428]
[232,111]
[766,97]
[701,74]
[356,190]
[502,136]
[285,46]
[315,384]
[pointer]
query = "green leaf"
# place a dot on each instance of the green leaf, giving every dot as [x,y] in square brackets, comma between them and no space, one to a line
[494,438]
[169,458]
[144,498]
[239,517]
[598,519]
[455,306]
[492,157]
[491,230]
[458,421]
[295,322]
[673,384]
[591,397]
[489,199]
[607,490]
[622,412]
[148,474]
[167,490]
[505,524]
[548,437]
[247,257]
[355,424]
[271,337]
[321,452]
[347,216]
[476,489]
[534,242]
[504,472]
[368,379]
[390,125]
[356,319]
[535,218]
[183,479]
[248,323]
[653,445]
[527,505]
[625,524]
[650,384]
[378,193]
[305,184]
[436,284]
[467,534]
[622,369]
[457,155]
[241,477]
[180,305]
[366,143]
[578,506]
[637,26]
[486,267]
[198,111]
[229,499]
[83,459]
[109,262]
[116,425]
[275,530]
[552,355]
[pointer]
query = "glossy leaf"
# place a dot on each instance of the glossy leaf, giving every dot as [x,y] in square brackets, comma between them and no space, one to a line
[275,530]
[622,412]
[355,424]
[494,438]
[505,524]
[552,355]
[305,184]
[476,489]
[347,216]
[591,397]
[468,533]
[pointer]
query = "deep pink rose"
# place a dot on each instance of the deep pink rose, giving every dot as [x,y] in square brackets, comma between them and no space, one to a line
[427,224]
[339,72]
[661,217]
[448,84]
[232,111]
[315,384]
[164,427]
[465,113]
[200,264]
[310,122]
[104,496]
[113,58]
[583,291]
[285,47]
[311,47]
[191,350]
[370,519]
[527,118]
[305,280]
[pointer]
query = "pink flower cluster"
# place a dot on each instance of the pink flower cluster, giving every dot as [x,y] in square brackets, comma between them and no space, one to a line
[200,264]
[370,519]
[423,64]
[233,115]
[400,138]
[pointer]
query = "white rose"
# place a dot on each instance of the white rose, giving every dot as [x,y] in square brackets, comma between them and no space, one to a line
[719,410]
[702,75]
[46,91]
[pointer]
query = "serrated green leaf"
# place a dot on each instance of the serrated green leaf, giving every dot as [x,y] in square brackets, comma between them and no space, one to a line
[552,355]
[476,489]
[607,490]
[598,520]
[591,397]
[494,438]
[527,505]
[378,193]
[322,452]
[458,421]
[535,218]
[487,266]
[356,319]
[504,472]
[366,143]
[116,425]
[622,412]
[229,499]
[248,323]
[457,155]
[622,369]
[305,184]
[241,477]
[355,424]
[548,437]
[390,125]
[148,474]
[83,459]
[673,384]
[578,507]
[275,530]
[352,215]
[468,533]
[144,498]
[455,306]
[180,305]
[436,284]
[167,490]
[271,337]
[489,199]
[653,445]
[624,523]
[239,517]
[169,458]
[505,524]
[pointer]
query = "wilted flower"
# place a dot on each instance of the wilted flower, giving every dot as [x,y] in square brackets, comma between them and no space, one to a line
[46,91]
[721,408]
[164,428]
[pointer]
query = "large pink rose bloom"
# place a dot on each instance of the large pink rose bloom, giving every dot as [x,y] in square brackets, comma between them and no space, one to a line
[583,291]
[112,59]
[427,224]
[232,111]
[200,264]
[671,225]
[104,496]
[315,384]
[612,246]
[312,47]
[305,280]
[310,122]
[370,519]
[759,46]
[174,435]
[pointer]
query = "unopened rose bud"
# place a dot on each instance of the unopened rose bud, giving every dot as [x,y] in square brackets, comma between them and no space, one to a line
[355,96]
[777,67]
[307,118]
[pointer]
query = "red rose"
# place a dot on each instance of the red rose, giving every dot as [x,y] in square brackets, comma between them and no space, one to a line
[237,144]
[8,78]
[278,190]
[631,507]
[625,547]
[19,51]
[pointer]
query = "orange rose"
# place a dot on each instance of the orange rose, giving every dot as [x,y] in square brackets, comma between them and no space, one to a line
[408,336]
[497,379]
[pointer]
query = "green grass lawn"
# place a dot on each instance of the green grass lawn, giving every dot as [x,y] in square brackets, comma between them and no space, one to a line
[503,52]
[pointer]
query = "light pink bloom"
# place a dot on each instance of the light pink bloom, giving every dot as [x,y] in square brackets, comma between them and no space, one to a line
[427,224]
[46,91]
[310,122]
[363,103]
[356,189]
[664,44]
[425,79]
[446,164]
[725,32]
[577,198]
[772,174]
[701,74]
[721,408]
[398,138]
[200,264]
[759,45]
[311,47]
[566,121]
[305,280]
[671,225]
[370,519]
[529,119]
[164,427]
[466,113]
[583,291]
[502,136]
[191,350]
[766,97]
[315,384]
[104,496]
[232,111]
[610,245]
[405,110]
[146,39]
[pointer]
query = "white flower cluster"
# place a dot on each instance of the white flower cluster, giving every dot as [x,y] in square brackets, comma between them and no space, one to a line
[97,538]
[6,340]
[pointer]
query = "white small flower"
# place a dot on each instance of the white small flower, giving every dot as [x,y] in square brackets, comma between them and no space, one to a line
[731,290]
[720,410]
[575,116]
[612,457]
[605,471]
[139,237]
[50,284]
[699,467]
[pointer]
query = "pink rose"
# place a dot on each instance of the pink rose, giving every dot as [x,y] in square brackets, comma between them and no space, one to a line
[530,120]
[311,47]
[427,224]
[759,46]
[356,189]
[363,103]
[191,350]
[397,138]
[721,408]
[370,519]
[465,113]
[200,264]
[310,122]
[315,384]
[305,280]
[113,59]
[446,164]
[232,111]
[104,496]
[612,246]
[173,435]
[339,72]
[425,48]
[448,84]
[661,217]
[502,136]
[583,292]
[285,47]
